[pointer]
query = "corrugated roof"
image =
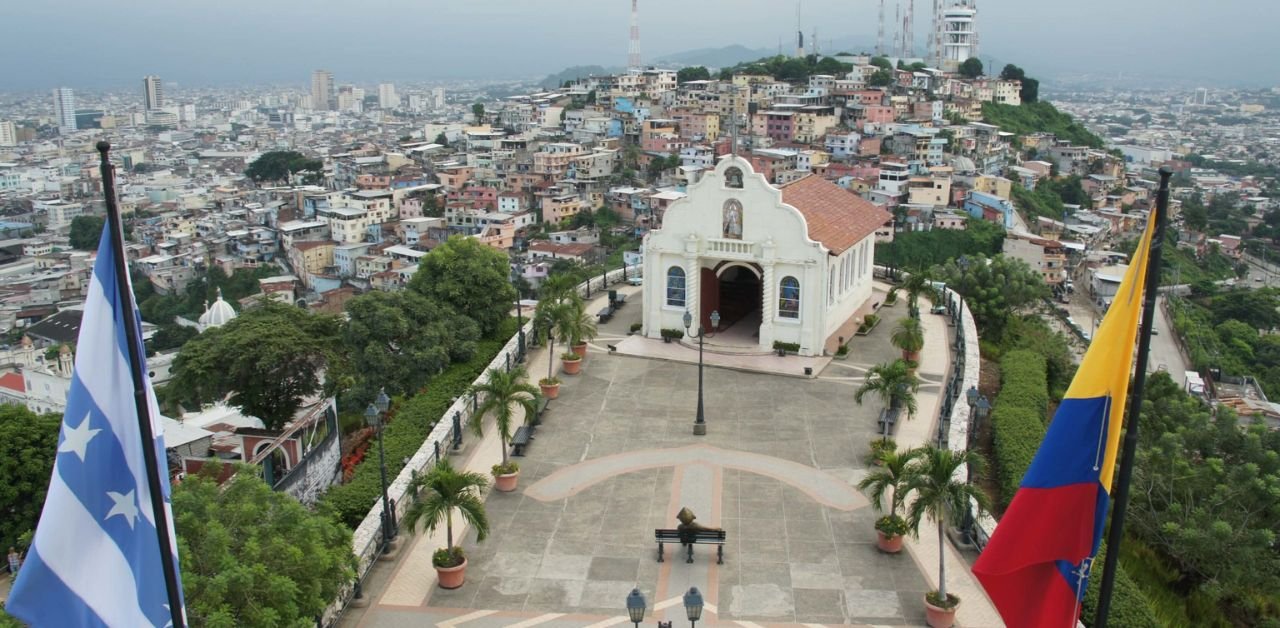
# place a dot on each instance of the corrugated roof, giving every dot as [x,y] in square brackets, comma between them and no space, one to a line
[836,217]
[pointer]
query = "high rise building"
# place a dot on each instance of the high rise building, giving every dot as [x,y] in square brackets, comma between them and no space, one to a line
[8,133]
[152,92]
[387,98]
[64,109]
[437,95]
[322,95]
[958,34]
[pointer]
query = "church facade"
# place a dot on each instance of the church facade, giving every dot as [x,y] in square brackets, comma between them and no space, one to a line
[790,263]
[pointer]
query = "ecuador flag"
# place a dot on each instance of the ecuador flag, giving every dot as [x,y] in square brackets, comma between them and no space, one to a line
[1036,566]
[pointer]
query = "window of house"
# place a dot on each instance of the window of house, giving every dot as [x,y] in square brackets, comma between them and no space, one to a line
[789,298]
[675,287]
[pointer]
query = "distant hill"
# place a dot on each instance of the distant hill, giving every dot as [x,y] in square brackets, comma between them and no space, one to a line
[713,57]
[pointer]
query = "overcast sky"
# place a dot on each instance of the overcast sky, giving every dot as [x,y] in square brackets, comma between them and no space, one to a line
[101,43]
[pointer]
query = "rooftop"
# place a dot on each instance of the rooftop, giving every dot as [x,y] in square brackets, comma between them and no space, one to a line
[835,216]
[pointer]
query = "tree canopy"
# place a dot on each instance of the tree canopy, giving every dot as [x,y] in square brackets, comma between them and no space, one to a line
[86,231]
[695,73]
[1038,117]
[920,250]
[993,287]
[280,166]
[398,340]
[252,556]
[475,280]
[268,360]
[27,445]
[971,68]
[881,78]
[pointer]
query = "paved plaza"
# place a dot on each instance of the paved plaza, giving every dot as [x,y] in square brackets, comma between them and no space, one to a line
[615,457]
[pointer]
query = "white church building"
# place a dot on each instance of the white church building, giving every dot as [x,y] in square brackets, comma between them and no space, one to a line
[790,263]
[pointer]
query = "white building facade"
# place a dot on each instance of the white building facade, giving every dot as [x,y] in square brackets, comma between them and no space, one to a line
[789,264]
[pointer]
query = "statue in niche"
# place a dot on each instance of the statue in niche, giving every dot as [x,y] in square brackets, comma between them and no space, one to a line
[732,219]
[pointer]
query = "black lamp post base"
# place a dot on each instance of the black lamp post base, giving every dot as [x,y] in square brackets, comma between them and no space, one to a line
[699,429]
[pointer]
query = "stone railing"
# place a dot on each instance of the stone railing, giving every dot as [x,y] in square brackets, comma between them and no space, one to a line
[443,439]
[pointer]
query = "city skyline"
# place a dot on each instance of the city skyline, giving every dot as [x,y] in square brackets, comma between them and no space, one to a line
[282,42]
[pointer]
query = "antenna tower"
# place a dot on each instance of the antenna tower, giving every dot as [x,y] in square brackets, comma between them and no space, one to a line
[633,51]
[880,33]
[908,31]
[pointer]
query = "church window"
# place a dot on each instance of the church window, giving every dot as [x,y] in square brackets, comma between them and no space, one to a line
[831,289]
[789,298]
[675,287]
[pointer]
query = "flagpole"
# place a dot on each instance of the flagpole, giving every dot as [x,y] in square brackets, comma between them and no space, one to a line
[1116,534]
[140,401]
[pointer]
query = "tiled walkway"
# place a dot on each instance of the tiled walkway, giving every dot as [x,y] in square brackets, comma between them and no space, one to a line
[616,458]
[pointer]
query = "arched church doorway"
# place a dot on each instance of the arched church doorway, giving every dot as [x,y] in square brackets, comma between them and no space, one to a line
[739,295]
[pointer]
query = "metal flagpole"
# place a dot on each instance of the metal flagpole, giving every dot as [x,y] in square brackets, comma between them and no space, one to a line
[139,389]
[1116,533]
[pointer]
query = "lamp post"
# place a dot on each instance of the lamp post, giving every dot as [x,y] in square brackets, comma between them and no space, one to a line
[635,607]
[700,423]
[374,417]
[693,606]
[519,308]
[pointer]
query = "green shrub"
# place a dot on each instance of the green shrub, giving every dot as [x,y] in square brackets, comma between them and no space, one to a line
[1017,420]
[1129,607]
[672,333]
[411,422]
[790,347]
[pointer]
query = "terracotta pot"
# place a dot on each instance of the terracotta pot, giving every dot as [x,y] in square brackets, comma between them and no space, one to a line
[506,483]
[572,367]
[452,577]
[911,356]
[888,544]
[580,349]
[550,391]
[938,617]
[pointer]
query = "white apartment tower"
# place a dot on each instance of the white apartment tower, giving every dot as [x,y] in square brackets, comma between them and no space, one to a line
[322,95]
[152,92]
[8,133]
[959,34]
[64,109]
[437,95]
[387,98]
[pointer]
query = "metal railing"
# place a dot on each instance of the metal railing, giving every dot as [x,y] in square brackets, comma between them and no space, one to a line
[445,438]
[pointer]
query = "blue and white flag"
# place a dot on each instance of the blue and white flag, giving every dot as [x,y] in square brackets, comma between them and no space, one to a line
[96,558]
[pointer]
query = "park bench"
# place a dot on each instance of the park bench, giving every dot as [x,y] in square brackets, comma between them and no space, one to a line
[605,314]
[521,440]
[888,417]
[689,538]
[543,402]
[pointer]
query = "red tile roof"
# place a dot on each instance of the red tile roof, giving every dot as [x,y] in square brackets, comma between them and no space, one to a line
[13,381]
[837,217]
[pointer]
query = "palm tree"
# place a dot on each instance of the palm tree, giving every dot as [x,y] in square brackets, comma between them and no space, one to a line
[503,392]
[938,494]
[580,327]
[894,383]
[909,337]
[448,490]
[548,326]
[892,474]
[916,284]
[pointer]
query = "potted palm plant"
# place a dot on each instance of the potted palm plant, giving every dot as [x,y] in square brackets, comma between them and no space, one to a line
[894,383]
[908,336]
[504,392]
[447,490]
[547,319]
[571,362]
[938,494]
[914,285]
[581,329]
[891,475]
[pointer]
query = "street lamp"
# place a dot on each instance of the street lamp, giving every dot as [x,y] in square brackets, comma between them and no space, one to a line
[373,416]
[693,605]
[700,424]
[519,308]
[635,606]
